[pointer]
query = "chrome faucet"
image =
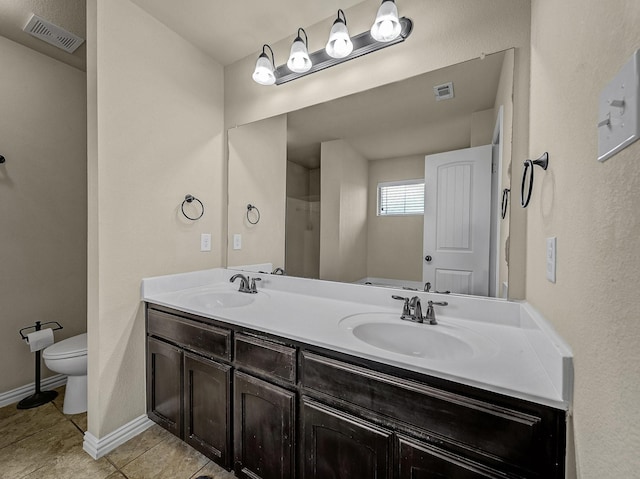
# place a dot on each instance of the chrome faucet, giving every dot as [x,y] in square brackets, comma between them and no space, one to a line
[244,283]
[431,313]
[411,309]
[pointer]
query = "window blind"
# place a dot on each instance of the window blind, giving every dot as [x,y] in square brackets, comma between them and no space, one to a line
[401,198]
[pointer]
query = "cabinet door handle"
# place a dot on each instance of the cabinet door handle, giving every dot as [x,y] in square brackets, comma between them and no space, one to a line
[428,258]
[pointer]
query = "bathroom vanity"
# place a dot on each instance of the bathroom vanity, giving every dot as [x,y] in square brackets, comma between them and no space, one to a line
[278,384]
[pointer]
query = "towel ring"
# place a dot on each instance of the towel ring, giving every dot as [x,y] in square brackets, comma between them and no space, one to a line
[543,162]
[251,207]
[191,199]
[505,201]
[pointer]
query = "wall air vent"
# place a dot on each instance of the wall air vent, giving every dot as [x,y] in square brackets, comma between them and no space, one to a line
[444,91]
[52,34]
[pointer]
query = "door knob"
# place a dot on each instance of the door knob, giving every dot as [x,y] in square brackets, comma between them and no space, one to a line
[428,258]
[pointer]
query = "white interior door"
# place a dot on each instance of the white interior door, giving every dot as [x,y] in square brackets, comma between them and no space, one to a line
[457,216]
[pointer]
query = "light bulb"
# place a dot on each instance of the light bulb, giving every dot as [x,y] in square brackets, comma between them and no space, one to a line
[339,44]
[341,48]
[264,73]
[387,25]
[299,61]
[386,28]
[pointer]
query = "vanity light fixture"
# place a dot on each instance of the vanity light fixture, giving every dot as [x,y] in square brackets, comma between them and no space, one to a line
[387,30]
[387,26]
[299,61]
[339,44]
[265,68]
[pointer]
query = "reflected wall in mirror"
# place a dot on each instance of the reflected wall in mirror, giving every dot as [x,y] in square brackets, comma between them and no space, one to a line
[326,224]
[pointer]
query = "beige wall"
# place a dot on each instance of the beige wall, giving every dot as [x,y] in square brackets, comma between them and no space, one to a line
[343,212]
[394,246]
[155,134]
[257,176]
[593,209]
[482,123]
[43,203]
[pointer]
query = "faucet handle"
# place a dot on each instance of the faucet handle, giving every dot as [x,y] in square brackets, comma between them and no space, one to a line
[438,303]
[406,311]
[253,288]
[431,313]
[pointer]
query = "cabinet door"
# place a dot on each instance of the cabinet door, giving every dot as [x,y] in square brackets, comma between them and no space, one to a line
[207,416]
[339,446]
[264,429]
[164,385]
[421,461]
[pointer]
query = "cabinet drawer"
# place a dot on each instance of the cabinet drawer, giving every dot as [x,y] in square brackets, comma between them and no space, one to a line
[485,430]
[266,357]
[202,338]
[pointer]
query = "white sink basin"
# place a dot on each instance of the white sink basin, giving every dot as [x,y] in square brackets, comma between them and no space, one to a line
[441,342]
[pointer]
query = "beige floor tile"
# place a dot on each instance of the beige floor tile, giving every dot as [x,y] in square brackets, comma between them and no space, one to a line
[138,445]
[213,471]
[45,448]
[74,464]
[17,424]
[170,459]
[80,420]
[116,475]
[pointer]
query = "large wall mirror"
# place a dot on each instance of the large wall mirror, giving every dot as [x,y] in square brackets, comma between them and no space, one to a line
[400,185]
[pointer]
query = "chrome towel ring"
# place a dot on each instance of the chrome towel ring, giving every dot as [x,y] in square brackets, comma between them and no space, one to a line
[191,199]
[250,208]
[543,162]
[505,201]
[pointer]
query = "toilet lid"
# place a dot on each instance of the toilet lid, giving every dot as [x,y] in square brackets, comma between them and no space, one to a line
[67,348]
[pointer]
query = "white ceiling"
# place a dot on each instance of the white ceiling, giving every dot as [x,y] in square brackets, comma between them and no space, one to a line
[399,119]
[227,31]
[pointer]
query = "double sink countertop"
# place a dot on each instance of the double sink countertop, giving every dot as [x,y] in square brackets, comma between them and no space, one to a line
[497,345]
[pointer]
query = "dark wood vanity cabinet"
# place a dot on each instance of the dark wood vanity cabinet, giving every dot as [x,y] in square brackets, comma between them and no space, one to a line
[164,385]
[271,408]
[188,392]
[338,445]
[264,429]
[207,416]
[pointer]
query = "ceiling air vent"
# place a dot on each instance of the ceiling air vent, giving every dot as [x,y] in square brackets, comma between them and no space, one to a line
[444,91]
[53,34]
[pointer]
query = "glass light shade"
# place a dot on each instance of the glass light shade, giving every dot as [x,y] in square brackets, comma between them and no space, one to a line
[387,25]
[339,44]
[264,73]
[299,61]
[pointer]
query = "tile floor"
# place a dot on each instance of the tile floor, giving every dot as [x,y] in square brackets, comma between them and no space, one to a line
[43,443]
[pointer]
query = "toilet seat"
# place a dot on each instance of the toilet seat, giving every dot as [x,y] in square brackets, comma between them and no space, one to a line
[67,348]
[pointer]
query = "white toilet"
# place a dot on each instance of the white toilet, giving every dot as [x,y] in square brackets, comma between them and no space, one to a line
[69,357]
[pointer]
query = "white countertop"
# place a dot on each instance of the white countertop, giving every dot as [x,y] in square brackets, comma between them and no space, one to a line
[521,355]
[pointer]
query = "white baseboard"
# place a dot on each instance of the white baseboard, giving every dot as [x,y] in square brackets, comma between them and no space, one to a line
[15,395]
[97,448]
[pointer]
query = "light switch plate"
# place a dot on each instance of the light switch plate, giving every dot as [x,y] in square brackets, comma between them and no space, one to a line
[551,259]
[237,241]
[619,108]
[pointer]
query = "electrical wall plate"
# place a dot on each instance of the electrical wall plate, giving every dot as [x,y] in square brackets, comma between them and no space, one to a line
[619,109]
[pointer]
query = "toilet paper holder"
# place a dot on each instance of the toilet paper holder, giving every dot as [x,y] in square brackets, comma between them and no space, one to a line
[38,398]
[37,327]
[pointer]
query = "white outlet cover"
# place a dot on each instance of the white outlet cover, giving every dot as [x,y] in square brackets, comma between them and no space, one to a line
[237,241]
[205,242]
[619,109]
